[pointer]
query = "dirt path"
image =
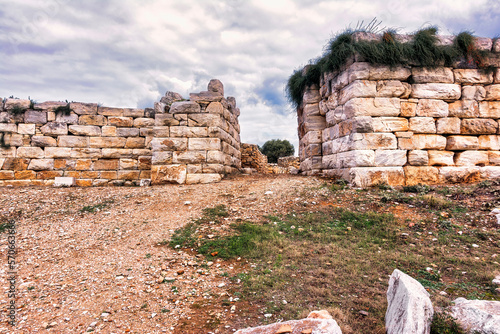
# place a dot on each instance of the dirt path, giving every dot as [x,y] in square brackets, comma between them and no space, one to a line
[92,259]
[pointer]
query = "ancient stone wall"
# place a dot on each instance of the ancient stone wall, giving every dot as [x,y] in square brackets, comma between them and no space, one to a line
[404,125]
[252,157]
[96,145]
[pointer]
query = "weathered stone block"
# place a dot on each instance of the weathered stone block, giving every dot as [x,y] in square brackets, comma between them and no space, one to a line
[189,157]
[116,153]
[311,96]
[373,141]
[492,93]
[86,153]
[144,122]
[8,152]
[386,158]
[215,157]
[366,71]
[314,123]
[97,120]
[85,130]
[133,112]
[418,158]
[41,164]
[422,125]
[13,139]
[425,175]
[57,152]
[472,76]
[460,143]
[372,176]
[393,88]
[432,75]
[440,91]
[464,109]
[489,109]
[494,157]
[106,111]
[6,175]
[215,108]
[491,142]
[477,93]
[109,175]
[203,97]
[432,108]
[188,132]
[205,119]
[471,158]
[72,118]
[358,88]
[313,149]
[476,126]
[107,142]
[24,129]
[489,172]
[72,141]
[202,178]
[108,131]
[144,162]
[408,109]
[168,174]
[30,152]
[169,144]
[54,129]
[312,137]
[15,164]
[127,132]
[428,142]
[121,121]
[312,110]
[36,117]
[83,164]
[49,105]
[387,124]
[135,142]
[11,104]
[185,107]
[8,127]
[128,174]
[83,108]
[106,164]
[25,175]
[166,120]
[43,141]
[441,158]
[448,125]
[372,107]
[47,175]
[162,158]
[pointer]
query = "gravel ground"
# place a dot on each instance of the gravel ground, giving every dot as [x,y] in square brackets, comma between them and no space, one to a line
[92,259]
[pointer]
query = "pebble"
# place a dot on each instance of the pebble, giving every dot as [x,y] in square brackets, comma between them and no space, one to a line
[443,293]
[268,315]
[221,285]
[475,246]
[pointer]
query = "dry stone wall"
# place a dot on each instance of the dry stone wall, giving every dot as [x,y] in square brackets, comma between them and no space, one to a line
[98,145]
[402,125]
[252,158]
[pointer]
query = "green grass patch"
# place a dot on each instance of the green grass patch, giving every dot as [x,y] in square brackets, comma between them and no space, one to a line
[96,207]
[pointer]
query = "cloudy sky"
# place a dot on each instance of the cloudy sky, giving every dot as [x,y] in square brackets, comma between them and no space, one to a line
[128,53]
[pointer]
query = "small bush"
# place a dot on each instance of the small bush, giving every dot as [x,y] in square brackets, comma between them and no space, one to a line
[443,323]
[18,110]
[419,189]
[64,110]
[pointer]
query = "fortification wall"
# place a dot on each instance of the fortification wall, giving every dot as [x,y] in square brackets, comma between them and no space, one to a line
[98,145]
[404,125]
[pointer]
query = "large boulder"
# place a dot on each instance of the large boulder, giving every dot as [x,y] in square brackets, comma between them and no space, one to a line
[409,306]
[317,322]
[481,316]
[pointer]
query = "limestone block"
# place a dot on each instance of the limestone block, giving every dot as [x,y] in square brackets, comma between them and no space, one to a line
[57,152]
[106,164]
[133,112]
[205,119]
[436,91]
[448,125]
[460,143]
[106,111]
[483,43]
[97,120]
[494,157]
[43,141]
[313,137]
[372,107]
[144,122]
[160,107]
[107,142]
[313,149]
[127,132]
[128,174]
[330,161]
[36,117]
[49,105]
[64,182]
[54,129]
[441,158]
[335,116]
[168,174]
[210,169]
[311,110]
[72,141]
[8,127]
[425,175]
[490,172]
[489,109]
[372,176]
[116,153]
[108,131]
[492,92]
[25,175]
[393,88]
[185,107]
[137,152]
[72,118]
[373,141]
[476,126]
[202,178]
[30,152]
[5,117]
[51,116]
[189,157]
[478,316]
[385,124]
[404,134]
[408,109]
[83,108]
[15,164]
[204,144]
[422,125]
[169,144]
[477,93]
[472,158]
[14,139]
[203,97]
[311,96]
[84,164]
[215,157]
[432,108]
[161,131]
[472,76]
[215,108]
[6,175]
[464,109]
[358,88]
[491,142]
[432,75]
[121,121]
[418,158]
[41,164]
[314,123]
[8,152]
[496,78]
[135,142]
[162,158]
[11,104]
[428,142]
[85,153]
[366,71]
[189,132]
[146,132]
[24,129]
[85,130]
[386,158]
[165,120]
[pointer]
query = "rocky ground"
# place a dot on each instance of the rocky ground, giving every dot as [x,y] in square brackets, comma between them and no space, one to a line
[98,259]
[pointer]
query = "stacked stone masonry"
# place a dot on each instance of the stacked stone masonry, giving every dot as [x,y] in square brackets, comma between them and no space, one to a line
[252,157]
[98,145]
[403,125]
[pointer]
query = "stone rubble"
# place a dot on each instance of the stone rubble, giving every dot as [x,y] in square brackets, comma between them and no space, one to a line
[477,315]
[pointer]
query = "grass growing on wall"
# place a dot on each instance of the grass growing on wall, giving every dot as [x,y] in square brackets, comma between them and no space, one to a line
[423,50]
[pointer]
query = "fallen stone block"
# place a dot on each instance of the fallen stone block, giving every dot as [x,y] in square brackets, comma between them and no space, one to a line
[64,182]
[477,315]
